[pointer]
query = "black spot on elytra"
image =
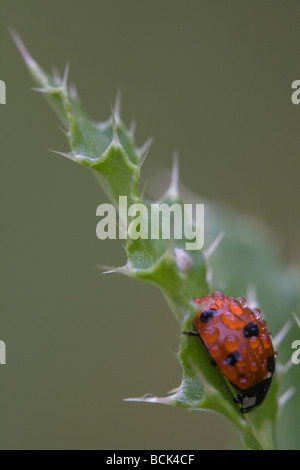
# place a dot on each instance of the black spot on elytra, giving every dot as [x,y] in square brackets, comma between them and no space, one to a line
[271,364]
[250,329]
[232,358]
[206,315]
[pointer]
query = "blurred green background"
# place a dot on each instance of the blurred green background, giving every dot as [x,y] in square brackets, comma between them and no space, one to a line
[209,79]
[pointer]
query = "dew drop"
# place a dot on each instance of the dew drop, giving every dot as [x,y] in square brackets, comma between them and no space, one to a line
[254,342]
[232,321]
[201,300]
[256,312]
[262,323]
[242,301]
[217,294]
[235,308]
[253,366]
[230,372]
[265,341]
[210,334]
[242,382]
[231,343]
[215,350]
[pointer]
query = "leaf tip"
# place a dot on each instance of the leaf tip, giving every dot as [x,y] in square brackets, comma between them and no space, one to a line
[28,59]
[117,106]
[115,136]
[144,149]
[214,245]
[64,83]
[63,154]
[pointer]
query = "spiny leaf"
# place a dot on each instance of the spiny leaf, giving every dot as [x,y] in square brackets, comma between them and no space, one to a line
[237,251]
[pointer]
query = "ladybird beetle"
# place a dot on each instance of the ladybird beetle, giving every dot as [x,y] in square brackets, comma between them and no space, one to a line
[237,340]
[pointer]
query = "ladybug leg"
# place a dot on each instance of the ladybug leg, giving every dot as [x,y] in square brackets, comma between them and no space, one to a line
[237,399]
[190,333]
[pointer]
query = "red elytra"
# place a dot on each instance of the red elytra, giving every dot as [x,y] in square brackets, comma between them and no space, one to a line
[238,342]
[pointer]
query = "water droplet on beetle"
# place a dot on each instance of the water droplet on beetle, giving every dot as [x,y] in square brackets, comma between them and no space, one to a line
[242,301]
